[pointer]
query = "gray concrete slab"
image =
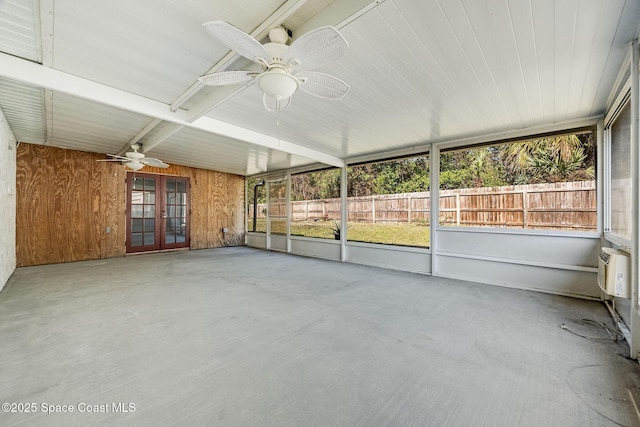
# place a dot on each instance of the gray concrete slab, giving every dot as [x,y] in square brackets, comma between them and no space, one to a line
[240,337]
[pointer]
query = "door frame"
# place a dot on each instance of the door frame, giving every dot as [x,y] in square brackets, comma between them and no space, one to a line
[160,217]
[279,242]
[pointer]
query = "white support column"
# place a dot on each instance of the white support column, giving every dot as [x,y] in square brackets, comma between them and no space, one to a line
[434,192]
[267,187]
[635,199]
[287,210]
[344,212]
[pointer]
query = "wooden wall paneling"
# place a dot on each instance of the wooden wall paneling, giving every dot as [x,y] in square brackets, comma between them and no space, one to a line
[236,211]
[112,206]
[218,220]
[32,234]
[66,200]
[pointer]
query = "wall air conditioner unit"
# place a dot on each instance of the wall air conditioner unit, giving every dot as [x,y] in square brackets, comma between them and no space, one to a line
[613,272]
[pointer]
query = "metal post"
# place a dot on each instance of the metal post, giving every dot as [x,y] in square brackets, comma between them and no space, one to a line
[343,214]
[635,199]
[434,192]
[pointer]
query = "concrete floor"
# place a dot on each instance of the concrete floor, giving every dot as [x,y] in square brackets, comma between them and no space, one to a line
[243,337]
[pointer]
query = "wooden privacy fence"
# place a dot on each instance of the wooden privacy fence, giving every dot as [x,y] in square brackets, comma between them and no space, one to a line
[566,205]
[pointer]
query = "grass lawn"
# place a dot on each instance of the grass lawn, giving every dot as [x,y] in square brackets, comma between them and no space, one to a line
[390,233]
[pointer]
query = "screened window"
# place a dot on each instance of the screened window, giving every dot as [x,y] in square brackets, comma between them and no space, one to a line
[620,214]
[539,183]
[388,202]
[315,204]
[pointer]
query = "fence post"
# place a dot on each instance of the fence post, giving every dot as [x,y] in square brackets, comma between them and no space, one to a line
[525,208]
[373,209]
[409,209]
[457,208]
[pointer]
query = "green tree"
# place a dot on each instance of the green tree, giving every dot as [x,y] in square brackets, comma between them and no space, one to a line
[555,159]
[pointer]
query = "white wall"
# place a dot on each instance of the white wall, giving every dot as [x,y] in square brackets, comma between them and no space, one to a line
[7,201]
[558,263]
[563,264]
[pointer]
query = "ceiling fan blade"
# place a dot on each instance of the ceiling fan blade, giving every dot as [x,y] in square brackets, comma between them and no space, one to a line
[109,160]
[114,158]
[224,78]
[316,48]
[156,163]
[273,104]
[322,85]
[236,39]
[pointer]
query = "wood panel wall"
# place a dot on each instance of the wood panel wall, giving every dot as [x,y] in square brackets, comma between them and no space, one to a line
[66,200]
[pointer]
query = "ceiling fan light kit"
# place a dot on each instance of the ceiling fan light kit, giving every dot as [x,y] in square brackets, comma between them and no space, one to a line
[134,165]
[285,69]
[278,83]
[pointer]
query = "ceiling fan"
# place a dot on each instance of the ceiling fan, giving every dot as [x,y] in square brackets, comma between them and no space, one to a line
[285,69]
[135,160]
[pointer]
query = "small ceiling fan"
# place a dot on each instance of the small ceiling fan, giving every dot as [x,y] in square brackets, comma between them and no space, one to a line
[135,160]
[285,69]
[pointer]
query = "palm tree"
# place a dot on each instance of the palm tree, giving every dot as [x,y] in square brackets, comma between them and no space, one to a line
[560,158]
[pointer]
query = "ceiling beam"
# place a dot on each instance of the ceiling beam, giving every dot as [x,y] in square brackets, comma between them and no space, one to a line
[34,74]
[337,14]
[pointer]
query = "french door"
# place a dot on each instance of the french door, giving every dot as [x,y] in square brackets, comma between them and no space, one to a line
[158,209]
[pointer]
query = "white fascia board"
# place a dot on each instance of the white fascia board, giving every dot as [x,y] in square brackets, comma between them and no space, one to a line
[34,74]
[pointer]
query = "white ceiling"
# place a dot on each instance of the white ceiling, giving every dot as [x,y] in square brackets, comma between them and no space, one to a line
[99,75]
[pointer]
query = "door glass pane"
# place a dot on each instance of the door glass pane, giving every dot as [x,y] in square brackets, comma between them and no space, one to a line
[150,184]
[149,239]
[181,187]
[137,197]
[136,211]
[171,186]
[149,225]
[136,225]
[149,211]
[149,197]
[136,239]
[138,183]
